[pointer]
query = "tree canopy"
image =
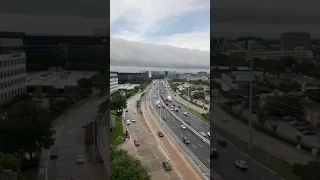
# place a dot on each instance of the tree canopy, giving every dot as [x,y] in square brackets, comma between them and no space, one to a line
[117,101]
[284,106]
[309,171]
[124,166]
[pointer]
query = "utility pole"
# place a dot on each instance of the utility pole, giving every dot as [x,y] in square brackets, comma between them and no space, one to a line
[188,91]
[94,140]
[250,104]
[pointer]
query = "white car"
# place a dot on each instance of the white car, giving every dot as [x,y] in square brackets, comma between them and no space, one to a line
[128,122]
[183,127]
[133,120]
[241,164]
[185,113]
[208,134]
[172,106]
[134,112]
[171,109]
[202,134]
[159,106]
[80,159]
[154,96]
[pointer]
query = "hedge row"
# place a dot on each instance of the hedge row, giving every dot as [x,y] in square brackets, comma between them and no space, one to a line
[269,131]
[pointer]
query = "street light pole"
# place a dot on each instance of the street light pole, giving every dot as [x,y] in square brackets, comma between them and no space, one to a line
[188,91]
[250,104]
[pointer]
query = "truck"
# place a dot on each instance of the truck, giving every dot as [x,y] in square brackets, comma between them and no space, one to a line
[169,98]
[138,103]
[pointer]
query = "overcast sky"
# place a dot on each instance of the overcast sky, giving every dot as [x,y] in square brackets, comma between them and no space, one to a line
[139,27]
[54,17]
[265,18]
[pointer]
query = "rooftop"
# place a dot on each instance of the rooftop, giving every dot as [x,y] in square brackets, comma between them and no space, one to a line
[58,79]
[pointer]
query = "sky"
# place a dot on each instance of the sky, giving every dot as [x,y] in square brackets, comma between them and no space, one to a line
[160,33]
[264,18]
[54,17]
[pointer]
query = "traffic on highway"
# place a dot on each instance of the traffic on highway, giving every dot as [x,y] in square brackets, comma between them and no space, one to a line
[222,158]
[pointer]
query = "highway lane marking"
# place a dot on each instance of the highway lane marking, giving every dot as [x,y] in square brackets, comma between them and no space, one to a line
[208,160]
[188,134]
[200,145]
[194,146]
[59,131]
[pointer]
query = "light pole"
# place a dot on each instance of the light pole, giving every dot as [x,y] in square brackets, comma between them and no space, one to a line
[188,91]
[250,104]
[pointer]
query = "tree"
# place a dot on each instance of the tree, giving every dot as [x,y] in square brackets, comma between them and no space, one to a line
[288,61]
[26,130]
[274,128]
[117,101]
[304,67]
[283,106]
[124,166]
[102,81]
[309,171]
[198,95]
[84,83]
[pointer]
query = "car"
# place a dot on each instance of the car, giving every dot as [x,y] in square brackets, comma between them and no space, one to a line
[176,109]
[187,122]
[185,113]
[224,119]
[134,112]
[222,142]
[171,109]
[213,152]
[154,96]
[162,105]
[159,106]
[80,159]
[133,120]
[164,118]
[241,164]
[54,153]
[208,134]
[179,106]
[203,134]
[183,127]
[185,140]
[166,165]
[128,122]
[172,106]
[136,142]
[160,134]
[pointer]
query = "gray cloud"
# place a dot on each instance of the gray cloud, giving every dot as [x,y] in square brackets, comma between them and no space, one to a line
[54,17]
[129,53]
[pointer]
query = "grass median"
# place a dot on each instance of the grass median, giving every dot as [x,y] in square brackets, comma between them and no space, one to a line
[278,165]
[196,113]
[116,136]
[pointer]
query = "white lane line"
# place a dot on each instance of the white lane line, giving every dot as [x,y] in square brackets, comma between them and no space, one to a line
[208,160]
[200,145]
[188,134]
[194,146]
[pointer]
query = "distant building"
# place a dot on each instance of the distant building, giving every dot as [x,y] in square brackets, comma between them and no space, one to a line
[133,76]
[290,40]
[297,54]
[12,66]
[202,74]
[113,82]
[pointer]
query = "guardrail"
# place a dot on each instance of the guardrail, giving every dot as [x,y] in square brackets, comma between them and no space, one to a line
[195,162]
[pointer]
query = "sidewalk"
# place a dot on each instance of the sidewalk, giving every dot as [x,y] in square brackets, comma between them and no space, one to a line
[191,105]
[170,149]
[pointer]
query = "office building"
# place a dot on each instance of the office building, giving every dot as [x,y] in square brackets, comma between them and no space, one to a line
[291,40]
[12,66]
[114,87]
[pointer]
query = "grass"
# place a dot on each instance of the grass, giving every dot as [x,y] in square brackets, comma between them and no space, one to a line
[196,113]
[278,165]
[117,132]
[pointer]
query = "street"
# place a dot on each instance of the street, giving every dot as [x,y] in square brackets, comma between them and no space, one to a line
[70,143]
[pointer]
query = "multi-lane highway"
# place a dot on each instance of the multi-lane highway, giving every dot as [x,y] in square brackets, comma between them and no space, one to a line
[224,164]
[197,146]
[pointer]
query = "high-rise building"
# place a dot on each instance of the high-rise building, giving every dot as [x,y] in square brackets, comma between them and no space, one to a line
[113,82]
[12,66]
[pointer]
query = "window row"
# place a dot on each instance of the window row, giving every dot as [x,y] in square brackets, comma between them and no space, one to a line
[9,94]
[12,62]
[12,82]
[12,72]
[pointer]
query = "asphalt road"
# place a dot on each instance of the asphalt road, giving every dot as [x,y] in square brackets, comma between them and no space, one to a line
[70,143]
[199,148]
[224,164]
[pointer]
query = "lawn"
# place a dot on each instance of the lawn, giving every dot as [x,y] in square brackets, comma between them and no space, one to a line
[116,137]
[196,113]
[278,165]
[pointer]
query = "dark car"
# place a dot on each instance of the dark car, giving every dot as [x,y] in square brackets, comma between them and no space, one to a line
[222,142]
[213,152]
[185,140]
[160,134]
[187,122]
[166,165]
[179,106]
[54,153]
[164,118]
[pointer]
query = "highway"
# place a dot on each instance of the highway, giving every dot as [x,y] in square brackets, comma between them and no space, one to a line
[70,143]
[224,164]
[199,148]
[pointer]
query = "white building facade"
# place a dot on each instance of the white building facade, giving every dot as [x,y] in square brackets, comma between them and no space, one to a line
[114,87]
[12,68]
